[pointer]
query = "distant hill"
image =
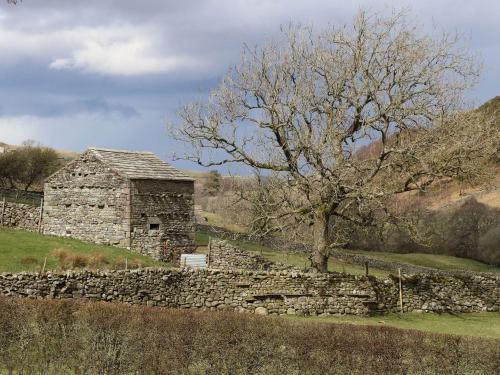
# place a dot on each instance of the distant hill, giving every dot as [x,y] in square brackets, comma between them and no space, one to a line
[63,154]
[492,106]
[449,194]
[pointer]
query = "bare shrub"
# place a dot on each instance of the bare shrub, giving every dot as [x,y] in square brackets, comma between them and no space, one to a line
[488,246]
[135,263]
[54,337]
[68,259]
[97,261]
[120,264]
[61,253]
[469,230]
[29,261]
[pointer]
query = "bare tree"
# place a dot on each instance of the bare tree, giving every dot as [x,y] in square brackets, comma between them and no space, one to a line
[299,110]
[27,165]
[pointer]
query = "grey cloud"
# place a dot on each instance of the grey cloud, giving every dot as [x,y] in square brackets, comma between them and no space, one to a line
[92,105]
[210,32]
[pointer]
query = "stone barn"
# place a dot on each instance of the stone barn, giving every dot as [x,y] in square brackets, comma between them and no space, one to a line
[124,198]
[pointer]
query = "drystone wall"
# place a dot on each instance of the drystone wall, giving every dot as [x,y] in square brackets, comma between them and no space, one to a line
[169,206]
[261,292]
[271,242]
[443,293]
[22,216]
[88,201]
[222,255]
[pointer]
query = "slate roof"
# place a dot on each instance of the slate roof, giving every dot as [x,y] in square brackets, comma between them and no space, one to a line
[138,165]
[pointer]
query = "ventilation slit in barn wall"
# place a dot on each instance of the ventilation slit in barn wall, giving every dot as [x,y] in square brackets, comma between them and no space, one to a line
[154,226]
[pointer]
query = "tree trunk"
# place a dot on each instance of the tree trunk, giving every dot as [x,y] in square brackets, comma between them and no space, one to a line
[320,253]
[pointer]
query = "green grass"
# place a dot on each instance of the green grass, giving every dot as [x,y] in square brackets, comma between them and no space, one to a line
[300,260]
[466,324]
[18,246]
[442,262]
[291,258]
[201,239]
[216,221]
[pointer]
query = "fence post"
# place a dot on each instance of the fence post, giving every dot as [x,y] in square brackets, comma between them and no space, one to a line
[40,217]
[3,211]
[44,265]
[400,291]
[366,268]
[209,250]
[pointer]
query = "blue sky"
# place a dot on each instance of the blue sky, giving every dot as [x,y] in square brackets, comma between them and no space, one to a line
[110,73]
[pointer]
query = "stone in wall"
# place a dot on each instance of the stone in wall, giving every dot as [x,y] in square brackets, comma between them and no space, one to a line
[21,216]
[223,255]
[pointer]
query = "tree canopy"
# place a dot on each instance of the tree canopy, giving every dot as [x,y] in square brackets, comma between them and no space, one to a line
[27,165]
[302,110]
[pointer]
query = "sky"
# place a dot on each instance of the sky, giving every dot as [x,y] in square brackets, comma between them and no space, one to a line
[112,73]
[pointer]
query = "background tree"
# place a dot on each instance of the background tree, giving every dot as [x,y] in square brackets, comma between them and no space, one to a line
[213,183]
[27,165]
[10,168]
[298,110]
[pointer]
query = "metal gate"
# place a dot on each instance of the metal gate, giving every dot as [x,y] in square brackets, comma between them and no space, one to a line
[194,260]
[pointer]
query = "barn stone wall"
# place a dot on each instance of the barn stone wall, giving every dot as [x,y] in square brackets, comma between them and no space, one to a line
[168,205]
[88,201]
[263,292]
[21,216]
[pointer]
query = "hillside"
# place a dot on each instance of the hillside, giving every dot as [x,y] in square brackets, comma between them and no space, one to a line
[26,251]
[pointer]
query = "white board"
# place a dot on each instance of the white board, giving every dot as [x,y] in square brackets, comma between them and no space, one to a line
[194,260]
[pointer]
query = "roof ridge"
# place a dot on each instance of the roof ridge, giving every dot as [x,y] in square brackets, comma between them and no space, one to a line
[121,151]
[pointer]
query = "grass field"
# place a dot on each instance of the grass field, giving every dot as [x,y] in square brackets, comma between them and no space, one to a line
[467,324]
[442,262]
[217,221]
[26,251]
[292,258]
[300,260]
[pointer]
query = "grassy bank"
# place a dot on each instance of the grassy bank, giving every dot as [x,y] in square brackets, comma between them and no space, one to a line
[301,260]
[292,258]
[25,251]
[442,262]
[467,324]
[54,337]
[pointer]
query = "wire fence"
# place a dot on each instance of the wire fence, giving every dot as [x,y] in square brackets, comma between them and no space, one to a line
[20,196]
